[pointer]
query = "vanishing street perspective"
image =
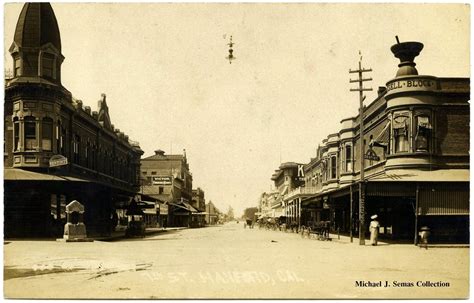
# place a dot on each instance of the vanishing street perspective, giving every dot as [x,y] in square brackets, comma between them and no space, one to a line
[346,190]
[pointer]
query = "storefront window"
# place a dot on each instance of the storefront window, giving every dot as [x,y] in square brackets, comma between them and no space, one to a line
[30,133]
[423,133]
[47,134]
[401,127]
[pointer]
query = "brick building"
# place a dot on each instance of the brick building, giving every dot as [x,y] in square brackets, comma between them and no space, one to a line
[168,178]
[46,126]
[416,135]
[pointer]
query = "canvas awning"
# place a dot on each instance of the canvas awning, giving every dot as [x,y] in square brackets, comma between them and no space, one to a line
[383,137]
[17,174]
[406,175]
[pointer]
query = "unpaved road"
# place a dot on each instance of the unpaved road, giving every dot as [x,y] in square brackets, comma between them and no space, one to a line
[231,262]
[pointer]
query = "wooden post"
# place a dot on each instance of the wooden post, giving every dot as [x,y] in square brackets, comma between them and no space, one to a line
[351,222]
[361,89]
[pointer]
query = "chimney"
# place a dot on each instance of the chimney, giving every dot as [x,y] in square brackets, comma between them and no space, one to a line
[159,152]
[381,90]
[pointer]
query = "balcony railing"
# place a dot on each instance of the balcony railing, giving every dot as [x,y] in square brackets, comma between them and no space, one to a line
[302,191]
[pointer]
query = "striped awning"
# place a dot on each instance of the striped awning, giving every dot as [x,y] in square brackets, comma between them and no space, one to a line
[383,137]
[443,199]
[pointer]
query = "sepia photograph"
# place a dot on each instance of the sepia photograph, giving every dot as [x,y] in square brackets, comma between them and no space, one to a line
[236,150]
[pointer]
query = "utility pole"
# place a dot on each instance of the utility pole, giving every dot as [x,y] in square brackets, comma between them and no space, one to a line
[361,89]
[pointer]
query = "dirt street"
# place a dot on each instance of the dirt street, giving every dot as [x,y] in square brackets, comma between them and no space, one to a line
[232,262]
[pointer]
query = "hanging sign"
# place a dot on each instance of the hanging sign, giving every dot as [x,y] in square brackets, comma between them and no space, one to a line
[371,155]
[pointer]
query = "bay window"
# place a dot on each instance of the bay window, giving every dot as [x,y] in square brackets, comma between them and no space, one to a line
[16,134]
[401,128]
[348,158]
[423,132]
[30,133]
[47,134]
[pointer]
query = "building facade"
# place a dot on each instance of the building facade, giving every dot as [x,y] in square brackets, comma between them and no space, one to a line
[56,149]
[169,179]
[416,161]
[212,214]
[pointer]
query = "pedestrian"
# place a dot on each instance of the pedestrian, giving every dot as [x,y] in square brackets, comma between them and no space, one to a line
[424,235]
[374,230]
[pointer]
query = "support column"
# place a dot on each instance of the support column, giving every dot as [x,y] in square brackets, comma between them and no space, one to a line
[351,223]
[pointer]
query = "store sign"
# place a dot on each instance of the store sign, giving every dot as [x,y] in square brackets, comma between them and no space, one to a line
[57,160]
[161,180]
[300,175]
[163,209]
[410,84]
[371,155]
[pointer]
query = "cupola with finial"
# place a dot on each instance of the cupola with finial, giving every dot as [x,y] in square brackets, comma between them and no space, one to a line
[36,47]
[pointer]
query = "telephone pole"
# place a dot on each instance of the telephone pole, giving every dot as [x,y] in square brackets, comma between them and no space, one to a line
[361,89]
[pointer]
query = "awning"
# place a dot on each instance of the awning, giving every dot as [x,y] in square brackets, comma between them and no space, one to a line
[406,175]
[383,137]
[17,174]
[284,190]
[149,211]
[437,199]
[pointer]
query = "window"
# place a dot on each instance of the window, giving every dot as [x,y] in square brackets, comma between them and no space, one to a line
[153,172]
[423,133]
[30,133]
[16,134]
[401,127]
[47,134]
[76,148]
[348,155]
[17,67]
[333,167]
[47,65]
[160,190]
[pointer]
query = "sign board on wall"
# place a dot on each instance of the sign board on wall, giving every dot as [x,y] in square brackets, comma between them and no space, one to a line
[162,180]
[57,160]
[163,209]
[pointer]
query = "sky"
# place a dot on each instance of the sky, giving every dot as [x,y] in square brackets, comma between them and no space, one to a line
[169,86]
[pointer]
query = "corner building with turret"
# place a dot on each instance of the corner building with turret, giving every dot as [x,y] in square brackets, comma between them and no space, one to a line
[416,135]
[57,149]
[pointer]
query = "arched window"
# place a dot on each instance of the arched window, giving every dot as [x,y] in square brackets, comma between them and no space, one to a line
[16,134]
[47,134]
[31,142]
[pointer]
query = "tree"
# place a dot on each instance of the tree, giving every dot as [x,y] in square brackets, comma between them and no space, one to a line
[230,213]
[249,213]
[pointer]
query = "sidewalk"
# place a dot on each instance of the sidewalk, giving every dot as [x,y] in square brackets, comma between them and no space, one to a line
[120,234]
[344,239]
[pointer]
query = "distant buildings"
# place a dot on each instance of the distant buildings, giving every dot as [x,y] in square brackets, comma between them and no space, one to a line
[56,149]
[168,178]
[212,214]
[416,135]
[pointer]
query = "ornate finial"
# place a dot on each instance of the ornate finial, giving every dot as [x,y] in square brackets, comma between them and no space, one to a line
[231,56]
[406,52]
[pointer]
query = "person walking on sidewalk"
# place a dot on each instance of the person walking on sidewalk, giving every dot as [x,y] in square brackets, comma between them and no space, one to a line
[374,230]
